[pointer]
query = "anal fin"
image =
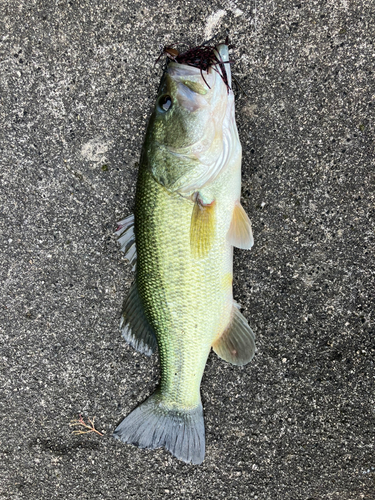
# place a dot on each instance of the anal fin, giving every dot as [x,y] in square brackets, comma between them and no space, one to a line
[202,227]
[240,234]
[134,325]
[237,343]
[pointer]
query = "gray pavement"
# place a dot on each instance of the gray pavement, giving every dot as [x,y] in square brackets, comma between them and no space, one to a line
[77,80]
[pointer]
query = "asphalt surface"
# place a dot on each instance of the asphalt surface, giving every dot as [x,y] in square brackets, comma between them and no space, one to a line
[77,81]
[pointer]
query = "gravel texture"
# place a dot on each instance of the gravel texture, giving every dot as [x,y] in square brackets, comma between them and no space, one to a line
[77,80]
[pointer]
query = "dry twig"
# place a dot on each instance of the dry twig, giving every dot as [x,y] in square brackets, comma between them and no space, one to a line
[82,423]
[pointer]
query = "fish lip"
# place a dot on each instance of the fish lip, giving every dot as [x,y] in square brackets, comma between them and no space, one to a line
[180,72]
[177,70]
[223,52]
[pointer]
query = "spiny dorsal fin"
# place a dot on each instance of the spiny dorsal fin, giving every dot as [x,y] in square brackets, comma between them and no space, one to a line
[237,344]
[134,325]
[240,234]
[202,227]
[126,238]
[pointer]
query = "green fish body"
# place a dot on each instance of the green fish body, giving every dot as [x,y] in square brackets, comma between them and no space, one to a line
[186,221]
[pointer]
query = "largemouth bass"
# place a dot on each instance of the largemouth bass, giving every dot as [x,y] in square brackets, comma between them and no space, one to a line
[187,219]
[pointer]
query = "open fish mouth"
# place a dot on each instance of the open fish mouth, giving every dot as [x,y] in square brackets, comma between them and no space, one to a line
[206,59]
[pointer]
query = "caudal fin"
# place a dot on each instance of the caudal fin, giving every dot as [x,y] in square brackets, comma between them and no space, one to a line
[152,425]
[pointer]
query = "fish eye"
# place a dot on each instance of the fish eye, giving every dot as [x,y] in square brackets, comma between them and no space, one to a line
[165,102]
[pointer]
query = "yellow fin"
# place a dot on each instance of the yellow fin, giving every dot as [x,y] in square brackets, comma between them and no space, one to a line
[202,227]
[240,234]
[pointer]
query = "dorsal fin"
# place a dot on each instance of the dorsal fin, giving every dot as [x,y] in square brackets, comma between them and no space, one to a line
[134,325]
[126,238]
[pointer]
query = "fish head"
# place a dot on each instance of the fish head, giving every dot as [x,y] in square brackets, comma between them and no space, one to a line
[192,132]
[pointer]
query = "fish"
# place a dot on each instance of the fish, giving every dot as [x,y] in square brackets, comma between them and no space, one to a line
[180,239]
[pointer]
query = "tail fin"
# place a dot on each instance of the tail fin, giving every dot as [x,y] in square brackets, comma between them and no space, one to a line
[152,425]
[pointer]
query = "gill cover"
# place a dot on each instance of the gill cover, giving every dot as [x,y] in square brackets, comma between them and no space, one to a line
[195,138]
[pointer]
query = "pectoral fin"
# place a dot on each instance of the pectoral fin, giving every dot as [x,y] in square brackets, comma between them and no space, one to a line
[237,344]
[202,228]
[240,234]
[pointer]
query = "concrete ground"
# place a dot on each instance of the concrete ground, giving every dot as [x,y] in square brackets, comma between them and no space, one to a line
[77,81]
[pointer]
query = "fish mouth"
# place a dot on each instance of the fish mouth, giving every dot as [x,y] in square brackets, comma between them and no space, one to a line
[204,61]
[223,52]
